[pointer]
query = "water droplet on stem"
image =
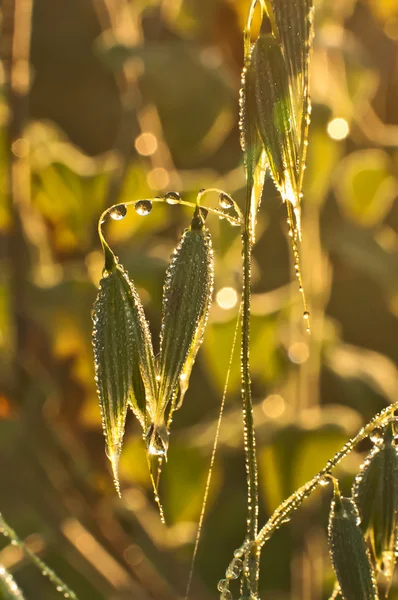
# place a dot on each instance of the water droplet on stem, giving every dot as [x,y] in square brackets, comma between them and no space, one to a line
[225,201]
[118,212]
[172,197]
[143,207]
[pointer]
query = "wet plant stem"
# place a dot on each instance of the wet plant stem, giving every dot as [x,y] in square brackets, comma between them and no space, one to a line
[251,579]
[292,503]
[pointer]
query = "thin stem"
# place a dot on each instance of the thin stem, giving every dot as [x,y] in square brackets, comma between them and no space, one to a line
[283,512]
[10,534]
[251,581]
[212,459]
[232,220]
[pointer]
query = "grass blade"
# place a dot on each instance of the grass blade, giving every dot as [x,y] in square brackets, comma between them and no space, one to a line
[212,459]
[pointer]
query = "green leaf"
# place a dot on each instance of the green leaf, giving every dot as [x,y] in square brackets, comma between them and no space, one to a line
[350,557]
[124,359]
[186,301]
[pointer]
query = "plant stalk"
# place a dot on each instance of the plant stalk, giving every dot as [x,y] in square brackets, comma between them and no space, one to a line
[251,580]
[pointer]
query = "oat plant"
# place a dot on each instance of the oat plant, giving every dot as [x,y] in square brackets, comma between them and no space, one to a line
[275,110]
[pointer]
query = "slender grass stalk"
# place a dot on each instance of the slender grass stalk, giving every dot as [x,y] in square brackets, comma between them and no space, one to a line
[292,503]
[248,421]
[213,457]
[59,585]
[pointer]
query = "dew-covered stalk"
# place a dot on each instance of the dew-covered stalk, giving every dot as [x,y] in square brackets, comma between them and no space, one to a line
[248,422]
[292,503]
[62,589]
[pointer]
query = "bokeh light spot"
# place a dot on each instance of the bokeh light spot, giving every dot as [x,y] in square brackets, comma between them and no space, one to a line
[273,406]
[146,144]
[298,353]
[338,129]
[158,179]
[227,298]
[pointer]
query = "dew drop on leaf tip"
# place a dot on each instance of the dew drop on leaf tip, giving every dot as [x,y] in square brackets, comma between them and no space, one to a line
[118,212]
[143,207]
[157,440]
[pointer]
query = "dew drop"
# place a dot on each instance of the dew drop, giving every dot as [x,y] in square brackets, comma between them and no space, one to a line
[118,212]
[143,207]
[324,481]
[226,595]
[172,197]
[222,585]
[306,314]
[377,436]
[234,569]
[225,201]
[157,440]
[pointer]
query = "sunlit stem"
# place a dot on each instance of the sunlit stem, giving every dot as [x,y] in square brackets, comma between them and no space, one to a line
[213,457]
[219,191]
[232,220]
[248,422]
[291,504]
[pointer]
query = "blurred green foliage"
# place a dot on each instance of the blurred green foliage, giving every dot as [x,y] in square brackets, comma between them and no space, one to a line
[129,100]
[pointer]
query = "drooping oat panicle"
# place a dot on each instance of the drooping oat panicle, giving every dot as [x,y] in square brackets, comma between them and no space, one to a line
[348,551]
[123,355]
[269,80]
[255,156]
[375,492]
[187,297]
[275,110]
[294,24]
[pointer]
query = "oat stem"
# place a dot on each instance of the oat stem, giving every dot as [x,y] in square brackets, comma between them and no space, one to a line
[283,512]
[251,579]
